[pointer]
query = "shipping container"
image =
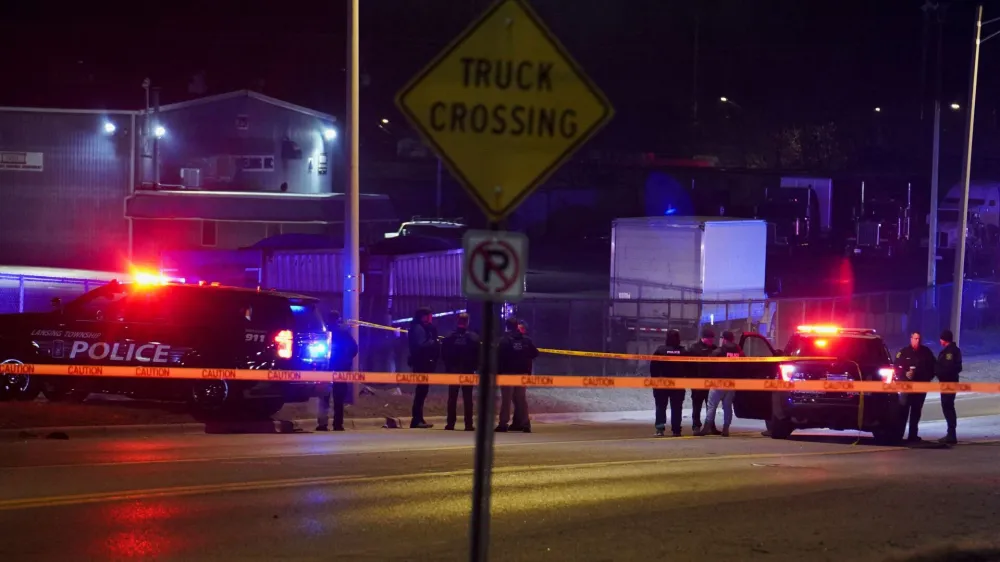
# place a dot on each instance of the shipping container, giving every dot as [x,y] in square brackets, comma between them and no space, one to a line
[687,270]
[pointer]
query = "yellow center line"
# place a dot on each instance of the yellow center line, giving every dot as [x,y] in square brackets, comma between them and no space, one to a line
[142,494]
[333,453]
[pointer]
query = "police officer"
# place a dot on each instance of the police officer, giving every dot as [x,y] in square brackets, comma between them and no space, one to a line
[663,396]
[515,354]
[914,362]
[460,354]
[703,348]
[425,350]
[344,350]
[949,365]
[729,348]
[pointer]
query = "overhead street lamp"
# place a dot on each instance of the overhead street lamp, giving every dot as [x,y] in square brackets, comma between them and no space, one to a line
[963,208]
[955,107]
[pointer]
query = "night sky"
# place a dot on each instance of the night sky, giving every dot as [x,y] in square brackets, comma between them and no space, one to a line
[783,61]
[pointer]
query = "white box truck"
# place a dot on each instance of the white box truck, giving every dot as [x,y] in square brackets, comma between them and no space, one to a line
[686,272]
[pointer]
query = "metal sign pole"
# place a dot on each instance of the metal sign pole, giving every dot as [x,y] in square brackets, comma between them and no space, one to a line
[479,530]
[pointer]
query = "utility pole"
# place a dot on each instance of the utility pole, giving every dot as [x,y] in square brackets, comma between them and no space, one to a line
[932,233]
[963,207]
[352,265]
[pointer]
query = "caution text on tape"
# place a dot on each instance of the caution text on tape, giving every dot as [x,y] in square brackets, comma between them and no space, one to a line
[551,381]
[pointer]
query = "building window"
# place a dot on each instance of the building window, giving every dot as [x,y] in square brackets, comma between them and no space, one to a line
[209,233]
[255,163]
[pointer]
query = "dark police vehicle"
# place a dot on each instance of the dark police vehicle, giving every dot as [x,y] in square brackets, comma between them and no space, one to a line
[860,355]
[155,324]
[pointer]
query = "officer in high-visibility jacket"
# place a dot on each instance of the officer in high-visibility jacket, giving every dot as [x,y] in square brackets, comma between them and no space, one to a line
[947,369]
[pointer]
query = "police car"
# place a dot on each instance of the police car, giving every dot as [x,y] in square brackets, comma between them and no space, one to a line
[153,322]
[859,355]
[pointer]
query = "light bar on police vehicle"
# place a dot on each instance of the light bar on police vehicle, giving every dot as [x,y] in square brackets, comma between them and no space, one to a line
[830,329]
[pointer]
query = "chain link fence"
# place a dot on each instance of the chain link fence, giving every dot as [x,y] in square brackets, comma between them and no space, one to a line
[620,326]
[29,293]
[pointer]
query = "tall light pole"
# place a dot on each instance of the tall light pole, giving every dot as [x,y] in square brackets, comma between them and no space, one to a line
[963,207]
[352,264]
[932,233]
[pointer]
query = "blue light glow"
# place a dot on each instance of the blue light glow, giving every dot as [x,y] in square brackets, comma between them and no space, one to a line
[318,349]
[670,210]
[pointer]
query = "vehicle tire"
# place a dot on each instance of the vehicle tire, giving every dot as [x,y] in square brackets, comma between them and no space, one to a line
[18,387]
[780,429]
[65,395]
[209,396]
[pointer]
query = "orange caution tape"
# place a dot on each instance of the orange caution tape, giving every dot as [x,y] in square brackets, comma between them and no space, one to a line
[552,381]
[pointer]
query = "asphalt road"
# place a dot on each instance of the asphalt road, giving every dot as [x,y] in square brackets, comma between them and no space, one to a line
[566,492]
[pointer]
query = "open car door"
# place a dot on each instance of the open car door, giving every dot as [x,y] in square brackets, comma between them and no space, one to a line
[754,404]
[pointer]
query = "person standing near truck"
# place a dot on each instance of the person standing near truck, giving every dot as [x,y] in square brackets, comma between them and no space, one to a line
[342,353]
[460,353]
[663,396]
[703,348]
[425,350]
[729,348]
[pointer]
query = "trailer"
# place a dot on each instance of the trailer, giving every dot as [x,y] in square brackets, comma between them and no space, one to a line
[687,272]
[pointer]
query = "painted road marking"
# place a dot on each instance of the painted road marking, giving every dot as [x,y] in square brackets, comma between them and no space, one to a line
[132,495]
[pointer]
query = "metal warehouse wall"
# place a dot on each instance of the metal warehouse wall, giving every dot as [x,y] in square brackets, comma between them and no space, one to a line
[153,237]
[199,132]
[71,213]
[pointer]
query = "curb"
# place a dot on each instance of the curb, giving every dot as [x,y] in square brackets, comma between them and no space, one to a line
[276,426]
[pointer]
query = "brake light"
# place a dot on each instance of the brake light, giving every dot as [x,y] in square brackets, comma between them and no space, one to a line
[786,372]
[819,329]
[821,343]
[887,374]
[284,341]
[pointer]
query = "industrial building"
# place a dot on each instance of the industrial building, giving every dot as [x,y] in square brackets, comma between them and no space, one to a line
[99,189]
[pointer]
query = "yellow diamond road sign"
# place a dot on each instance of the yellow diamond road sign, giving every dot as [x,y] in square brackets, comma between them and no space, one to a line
[504,106]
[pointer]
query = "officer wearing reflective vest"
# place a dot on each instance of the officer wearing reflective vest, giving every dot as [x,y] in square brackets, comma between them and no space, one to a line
[947,369]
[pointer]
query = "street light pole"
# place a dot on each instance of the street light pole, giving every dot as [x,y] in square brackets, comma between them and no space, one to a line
[352,265]
[932,232]
[963,207]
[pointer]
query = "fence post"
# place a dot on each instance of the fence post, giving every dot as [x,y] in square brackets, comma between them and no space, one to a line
[569,337]
[20,293]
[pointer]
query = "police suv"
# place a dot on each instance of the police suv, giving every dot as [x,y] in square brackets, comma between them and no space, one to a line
[156,324]
[858,355]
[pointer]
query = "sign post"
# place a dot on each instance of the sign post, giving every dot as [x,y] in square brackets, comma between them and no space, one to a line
[504,105]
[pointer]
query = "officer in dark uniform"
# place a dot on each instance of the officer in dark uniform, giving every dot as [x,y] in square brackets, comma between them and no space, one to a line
[663,396]
[515,354]
[703,348]
[949,365]
[424,353]
[460,354]
[915,363]
[342,353]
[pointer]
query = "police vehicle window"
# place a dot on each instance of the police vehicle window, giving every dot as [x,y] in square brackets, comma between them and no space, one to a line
[307,317]
[866,350]
[145,306]
[97,305]
[756,347]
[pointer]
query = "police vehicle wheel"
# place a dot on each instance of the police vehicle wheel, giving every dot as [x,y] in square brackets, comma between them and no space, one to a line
[209,396]
[781,429]
[18,387]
